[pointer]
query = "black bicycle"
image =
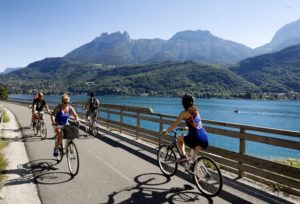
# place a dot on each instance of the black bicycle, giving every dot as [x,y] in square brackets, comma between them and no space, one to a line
[39,126]
[91,124]
[205,171]
[69,148]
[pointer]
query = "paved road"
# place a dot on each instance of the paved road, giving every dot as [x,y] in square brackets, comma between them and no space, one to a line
[114,169]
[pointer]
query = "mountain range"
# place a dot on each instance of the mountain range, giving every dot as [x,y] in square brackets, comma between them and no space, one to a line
[191,61]
[199,46]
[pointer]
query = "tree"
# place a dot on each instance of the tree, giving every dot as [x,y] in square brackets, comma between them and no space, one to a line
[3,92]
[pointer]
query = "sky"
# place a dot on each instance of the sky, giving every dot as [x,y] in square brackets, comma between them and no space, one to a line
[31,30]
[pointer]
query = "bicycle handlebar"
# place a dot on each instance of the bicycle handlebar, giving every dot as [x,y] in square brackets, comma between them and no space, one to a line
[177,129]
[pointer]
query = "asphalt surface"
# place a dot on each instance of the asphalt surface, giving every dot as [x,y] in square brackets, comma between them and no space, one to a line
[114,169]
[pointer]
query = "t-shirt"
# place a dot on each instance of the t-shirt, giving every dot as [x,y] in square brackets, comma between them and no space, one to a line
[40,104]
[93,104]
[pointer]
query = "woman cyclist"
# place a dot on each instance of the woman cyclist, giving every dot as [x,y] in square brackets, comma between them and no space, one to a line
[60,117]
[197,136]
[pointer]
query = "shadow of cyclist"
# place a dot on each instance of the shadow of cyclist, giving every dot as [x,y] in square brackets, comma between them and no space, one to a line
[146,191]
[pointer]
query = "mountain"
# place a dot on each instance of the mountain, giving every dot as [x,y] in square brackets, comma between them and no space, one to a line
[274,72]
[200,46]
[116,48]
[286,36]
[7,70]
[58,75]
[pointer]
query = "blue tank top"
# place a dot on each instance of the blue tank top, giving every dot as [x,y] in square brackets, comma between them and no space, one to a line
[197,135]
[61,117]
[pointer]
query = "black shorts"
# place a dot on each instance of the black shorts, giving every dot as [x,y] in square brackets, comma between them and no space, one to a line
[197,138]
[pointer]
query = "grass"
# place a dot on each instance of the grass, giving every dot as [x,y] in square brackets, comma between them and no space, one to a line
[3,144]
[5,117]
[292,162]
[3,161]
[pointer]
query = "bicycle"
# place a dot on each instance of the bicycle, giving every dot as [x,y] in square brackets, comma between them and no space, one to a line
[206,173]
[91,123]
[69,148]
[39,125]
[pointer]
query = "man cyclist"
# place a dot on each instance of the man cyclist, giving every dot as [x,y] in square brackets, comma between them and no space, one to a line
[38,105]
[59,118]
[197,136]
[91,106]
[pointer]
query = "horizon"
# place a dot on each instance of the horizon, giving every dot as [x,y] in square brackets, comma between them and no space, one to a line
[34,30]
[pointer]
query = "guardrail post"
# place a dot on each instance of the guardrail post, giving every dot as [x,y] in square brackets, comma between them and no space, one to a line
[242,150]
[121,120]
[138,124]
[161,128]
[108,118]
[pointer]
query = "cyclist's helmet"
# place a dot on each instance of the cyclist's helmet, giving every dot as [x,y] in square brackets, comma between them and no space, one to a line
[188,101]
[92,94]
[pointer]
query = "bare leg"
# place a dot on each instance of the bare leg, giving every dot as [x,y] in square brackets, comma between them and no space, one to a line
[181,146]
[194,152]
[58,138]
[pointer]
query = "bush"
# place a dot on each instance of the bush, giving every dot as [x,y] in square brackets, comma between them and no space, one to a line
[3,161]
[5,117]
[3,92]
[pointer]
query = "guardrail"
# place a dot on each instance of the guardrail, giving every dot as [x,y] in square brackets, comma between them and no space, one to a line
[135,122]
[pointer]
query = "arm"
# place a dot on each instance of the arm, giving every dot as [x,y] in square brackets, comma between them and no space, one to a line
[74,113]
[47,107]
[53,115]
[33,107]
[177,122]
[87,104]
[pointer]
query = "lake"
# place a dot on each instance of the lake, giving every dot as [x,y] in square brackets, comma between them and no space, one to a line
[277,114]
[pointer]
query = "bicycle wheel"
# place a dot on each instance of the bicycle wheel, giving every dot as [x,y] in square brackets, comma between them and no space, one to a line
[73,158]
[208,177]
[95,128]
[60,154]
[167,160]
[43,130]
[36,128]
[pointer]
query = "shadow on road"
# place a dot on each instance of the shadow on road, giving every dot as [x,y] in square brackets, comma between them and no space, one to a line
[146,190]
[37,172]
[225,194]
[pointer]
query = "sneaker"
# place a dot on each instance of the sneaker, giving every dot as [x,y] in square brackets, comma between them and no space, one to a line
[182,159]
[55,152]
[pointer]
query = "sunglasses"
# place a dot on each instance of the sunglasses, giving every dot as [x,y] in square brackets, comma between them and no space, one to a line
[65,102]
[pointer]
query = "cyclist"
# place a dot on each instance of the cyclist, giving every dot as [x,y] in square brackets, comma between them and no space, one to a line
[38,105]
[91,106]
[59,118]
[197,136]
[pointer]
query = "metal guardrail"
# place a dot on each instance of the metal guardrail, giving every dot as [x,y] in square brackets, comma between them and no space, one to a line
[132,121]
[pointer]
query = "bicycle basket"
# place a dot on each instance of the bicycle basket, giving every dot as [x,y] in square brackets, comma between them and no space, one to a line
[70,132]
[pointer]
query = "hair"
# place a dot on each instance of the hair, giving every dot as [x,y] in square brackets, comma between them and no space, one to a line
[92,94]
[40,94]
[65,97]
[188,101]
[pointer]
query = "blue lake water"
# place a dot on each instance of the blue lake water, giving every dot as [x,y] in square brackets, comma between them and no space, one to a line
[278,114]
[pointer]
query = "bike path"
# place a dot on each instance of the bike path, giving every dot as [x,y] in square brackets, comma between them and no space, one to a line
[115,169]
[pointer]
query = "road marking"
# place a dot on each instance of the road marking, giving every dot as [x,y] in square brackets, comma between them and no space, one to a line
[110,166]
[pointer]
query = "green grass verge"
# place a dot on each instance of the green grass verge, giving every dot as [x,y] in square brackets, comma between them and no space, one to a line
[291,162]
[5,117]
[3,161]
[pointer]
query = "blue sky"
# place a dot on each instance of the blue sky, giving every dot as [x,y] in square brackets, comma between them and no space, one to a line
[32,30]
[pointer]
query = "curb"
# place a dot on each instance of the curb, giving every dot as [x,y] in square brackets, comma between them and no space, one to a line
[18,186]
